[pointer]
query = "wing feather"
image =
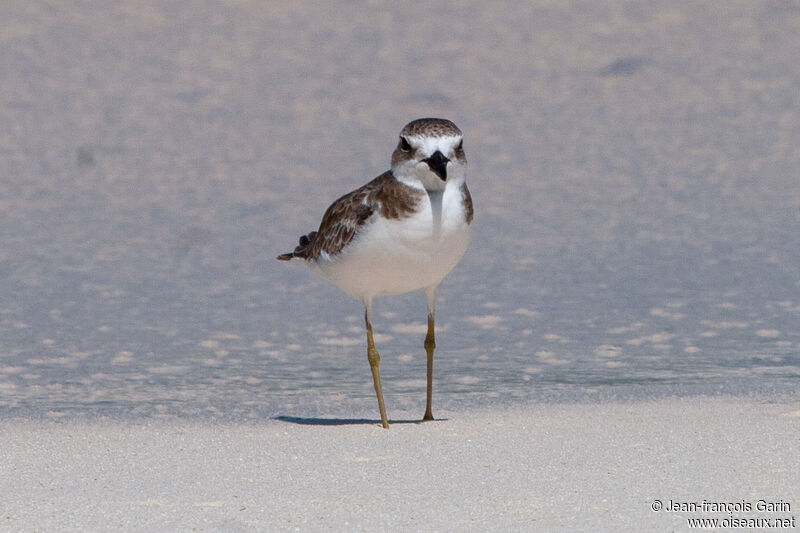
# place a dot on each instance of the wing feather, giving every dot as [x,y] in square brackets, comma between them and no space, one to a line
[346,216]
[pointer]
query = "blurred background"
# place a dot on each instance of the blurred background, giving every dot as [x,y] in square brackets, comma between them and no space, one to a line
[634,168]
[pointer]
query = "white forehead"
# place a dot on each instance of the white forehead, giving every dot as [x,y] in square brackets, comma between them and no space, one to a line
[427,145]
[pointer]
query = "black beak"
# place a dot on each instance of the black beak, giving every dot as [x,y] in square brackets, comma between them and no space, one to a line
[438,164]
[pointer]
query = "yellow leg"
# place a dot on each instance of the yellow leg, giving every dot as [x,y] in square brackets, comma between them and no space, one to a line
[430,345]
[374,361]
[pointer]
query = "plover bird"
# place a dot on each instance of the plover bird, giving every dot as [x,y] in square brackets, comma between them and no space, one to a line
[401,232]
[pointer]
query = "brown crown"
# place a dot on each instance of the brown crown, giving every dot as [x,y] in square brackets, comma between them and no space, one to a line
[431,127]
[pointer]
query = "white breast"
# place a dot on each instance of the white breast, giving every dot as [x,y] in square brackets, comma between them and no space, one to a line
[398,256]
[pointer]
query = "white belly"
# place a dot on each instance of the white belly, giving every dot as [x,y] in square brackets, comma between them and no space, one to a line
[398,256]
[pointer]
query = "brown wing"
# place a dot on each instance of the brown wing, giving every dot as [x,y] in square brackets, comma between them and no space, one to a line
[345,217]
[467,197]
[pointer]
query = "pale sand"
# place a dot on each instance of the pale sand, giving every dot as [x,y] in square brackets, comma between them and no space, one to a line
[545,467]
[634,172]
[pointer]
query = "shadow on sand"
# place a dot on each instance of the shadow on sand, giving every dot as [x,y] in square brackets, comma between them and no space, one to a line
[310,421]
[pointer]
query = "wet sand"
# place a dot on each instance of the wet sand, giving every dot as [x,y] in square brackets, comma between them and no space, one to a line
[634,172]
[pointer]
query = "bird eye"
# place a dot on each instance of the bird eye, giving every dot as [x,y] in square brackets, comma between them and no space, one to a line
[460,147]
[404,146]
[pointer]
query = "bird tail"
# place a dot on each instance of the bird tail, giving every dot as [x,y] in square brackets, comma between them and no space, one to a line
[301,251]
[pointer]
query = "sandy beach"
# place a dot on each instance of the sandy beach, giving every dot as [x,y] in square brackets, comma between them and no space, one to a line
[618,350]
[554,467]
